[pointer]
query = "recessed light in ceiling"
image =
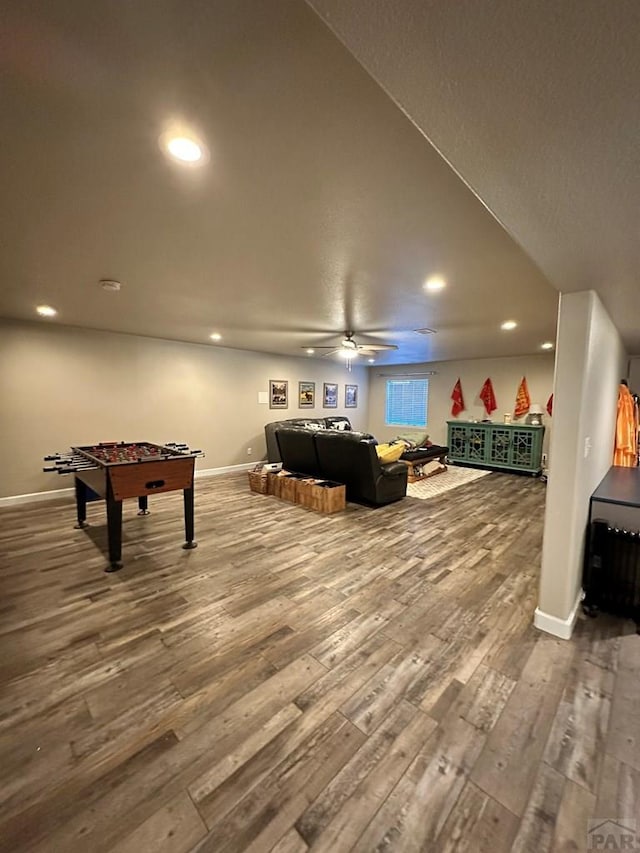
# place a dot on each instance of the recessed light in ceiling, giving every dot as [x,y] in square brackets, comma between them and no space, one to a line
[183,146]
[371,360]
[434,284]
[508,325]
[46,311]
[546,345]
[184,149]
[215,336]
[110,285]
[310,351]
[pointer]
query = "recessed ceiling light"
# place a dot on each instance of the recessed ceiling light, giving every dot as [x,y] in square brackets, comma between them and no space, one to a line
[546,345]
[371,360]
[215,336]
[46,311]
[310,351]
[110,285]
[181,144]
[508,325]
[435,283]
[183,148]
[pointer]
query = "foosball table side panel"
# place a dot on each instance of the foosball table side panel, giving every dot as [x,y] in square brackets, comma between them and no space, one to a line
[148,478]
[95,479]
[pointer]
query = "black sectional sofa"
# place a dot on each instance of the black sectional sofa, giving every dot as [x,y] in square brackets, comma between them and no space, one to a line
[273,451]
[343,456]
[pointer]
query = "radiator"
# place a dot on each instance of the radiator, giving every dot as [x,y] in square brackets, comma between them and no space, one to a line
[612,571]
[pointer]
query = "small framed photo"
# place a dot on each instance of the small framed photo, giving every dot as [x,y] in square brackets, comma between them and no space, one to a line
[306,395]
[330,395]
[278,394]
[351,396]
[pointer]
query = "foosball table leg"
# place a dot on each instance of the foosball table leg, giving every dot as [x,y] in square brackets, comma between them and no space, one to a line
[143,503]
[188,520]
[81,504]
[114,528]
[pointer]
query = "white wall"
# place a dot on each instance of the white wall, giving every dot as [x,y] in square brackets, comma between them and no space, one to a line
[590,361]
[62,386]
[634,375]
[505,374]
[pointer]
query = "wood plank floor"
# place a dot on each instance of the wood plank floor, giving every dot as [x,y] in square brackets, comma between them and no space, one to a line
[365,681]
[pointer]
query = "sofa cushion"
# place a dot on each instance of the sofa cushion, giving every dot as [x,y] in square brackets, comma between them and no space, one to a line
[298,450]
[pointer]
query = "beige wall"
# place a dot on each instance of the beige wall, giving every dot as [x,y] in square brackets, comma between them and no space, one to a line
[634,375]
[590,362]
[61,386]
[505,374]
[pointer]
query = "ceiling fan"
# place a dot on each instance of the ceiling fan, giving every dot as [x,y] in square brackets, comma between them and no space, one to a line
[349,348]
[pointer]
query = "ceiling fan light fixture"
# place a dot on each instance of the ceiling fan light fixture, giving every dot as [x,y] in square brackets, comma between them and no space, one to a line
[348,351]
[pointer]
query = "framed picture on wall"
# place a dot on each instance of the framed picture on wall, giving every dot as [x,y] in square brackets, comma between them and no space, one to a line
[278,394]
[306,395]
[330,395]
[351,396]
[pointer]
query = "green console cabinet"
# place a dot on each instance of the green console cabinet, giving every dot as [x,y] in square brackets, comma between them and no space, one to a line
[508,447]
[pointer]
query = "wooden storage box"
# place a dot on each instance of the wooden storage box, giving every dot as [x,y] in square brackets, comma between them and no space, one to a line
[327,496]
[287,488]
[258,482]
[304,492]
[272,483]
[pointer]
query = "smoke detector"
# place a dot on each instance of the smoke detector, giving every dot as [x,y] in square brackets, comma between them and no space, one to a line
[425,331]
[110,285]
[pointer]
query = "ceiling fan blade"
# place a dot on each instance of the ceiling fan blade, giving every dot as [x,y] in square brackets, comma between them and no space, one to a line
[314,347]
[376,347]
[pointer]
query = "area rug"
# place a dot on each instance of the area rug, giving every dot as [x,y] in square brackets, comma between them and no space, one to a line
[449,479]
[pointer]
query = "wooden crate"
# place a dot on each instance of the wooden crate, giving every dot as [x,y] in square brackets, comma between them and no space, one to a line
[304,492]
[288,486]
[272,483]
[258,482]
[328,497]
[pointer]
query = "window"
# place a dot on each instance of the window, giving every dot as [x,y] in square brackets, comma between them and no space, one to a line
[407,402]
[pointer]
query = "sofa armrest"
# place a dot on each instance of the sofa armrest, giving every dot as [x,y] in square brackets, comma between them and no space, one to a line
[394,469]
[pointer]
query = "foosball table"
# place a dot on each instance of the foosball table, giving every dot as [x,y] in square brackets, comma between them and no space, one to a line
[116,471]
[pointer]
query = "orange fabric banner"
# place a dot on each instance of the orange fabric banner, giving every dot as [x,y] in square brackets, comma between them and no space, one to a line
[523,400]
[626,447]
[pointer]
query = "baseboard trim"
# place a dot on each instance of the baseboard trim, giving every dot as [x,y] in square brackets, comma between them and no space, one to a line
[36,497]
[55,494]
[562,628]
[227,469]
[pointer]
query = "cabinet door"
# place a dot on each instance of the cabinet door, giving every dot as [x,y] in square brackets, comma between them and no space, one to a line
[477,447]
[500,445]
[522,449]
[458,441]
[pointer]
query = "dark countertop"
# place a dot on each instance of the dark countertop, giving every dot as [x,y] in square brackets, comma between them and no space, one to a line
[619,486]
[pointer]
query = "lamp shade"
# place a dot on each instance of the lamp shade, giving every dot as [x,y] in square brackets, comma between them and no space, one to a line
[536,409]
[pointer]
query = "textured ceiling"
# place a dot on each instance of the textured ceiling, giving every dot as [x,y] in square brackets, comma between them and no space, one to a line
[322,206]
[536,104]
